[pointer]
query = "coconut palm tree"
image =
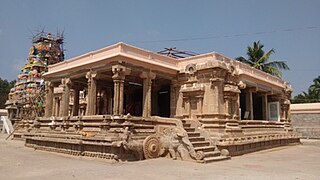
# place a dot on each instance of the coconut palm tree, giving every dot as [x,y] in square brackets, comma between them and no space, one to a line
[258,59]
[313,94]
[314,89]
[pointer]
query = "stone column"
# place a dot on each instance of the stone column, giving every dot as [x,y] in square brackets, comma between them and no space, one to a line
[54,107]
[251,104]
[119,73]
[173,97]
[265,106]
[64,107]
[57,106]
[227,106]
[121,99]
[116,97]
[237,106]
[146,101]
[49,98]
[216,100]
[75,108]
[92,93]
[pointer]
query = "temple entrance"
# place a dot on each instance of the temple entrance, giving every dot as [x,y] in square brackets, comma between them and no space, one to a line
[133,99]
[257,106]
[252,105]
[161,98]
[164,101]
[243,105]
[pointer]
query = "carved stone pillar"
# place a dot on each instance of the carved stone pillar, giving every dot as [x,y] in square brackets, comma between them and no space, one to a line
[249,103]
[173,97]
[64,107]
[116,97]
[265,107]
[227,103]
[49,99]
[121,99]
[237,106]
[57,106]
[231,96]
[146,101]
[54,106]
[92,93]
[75,108]
[119,73]
[216,103]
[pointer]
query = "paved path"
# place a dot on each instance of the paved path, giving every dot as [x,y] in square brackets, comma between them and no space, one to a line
[291,162]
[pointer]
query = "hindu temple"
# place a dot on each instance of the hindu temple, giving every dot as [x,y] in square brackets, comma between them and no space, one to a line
[124,103]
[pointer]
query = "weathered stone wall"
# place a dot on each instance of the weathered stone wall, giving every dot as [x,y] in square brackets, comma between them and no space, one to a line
[305,119]
[307,124]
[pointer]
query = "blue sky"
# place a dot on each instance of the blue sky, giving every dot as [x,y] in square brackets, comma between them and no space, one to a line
[89,25]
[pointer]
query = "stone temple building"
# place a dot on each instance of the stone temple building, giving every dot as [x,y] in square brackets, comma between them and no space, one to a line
[126,103]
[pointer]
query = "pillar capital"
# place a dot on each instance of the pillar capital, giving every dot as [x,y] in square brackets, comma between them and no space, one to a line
[119,72]
[242,85]
[147,75]
[66,81]
[48,84]
[91,74]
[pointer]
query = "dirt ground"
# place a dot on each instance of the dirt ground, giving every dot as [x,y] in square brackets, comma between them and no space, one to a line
[290,162]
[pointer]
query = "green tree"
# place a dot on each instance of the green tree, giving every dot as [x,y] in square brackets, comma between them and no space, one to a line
[5,87]
[258,59]
[313,94]
[315,88]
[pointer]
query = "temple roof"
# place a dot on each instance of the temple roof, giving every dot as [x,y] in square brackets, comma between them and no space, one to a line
[121,52]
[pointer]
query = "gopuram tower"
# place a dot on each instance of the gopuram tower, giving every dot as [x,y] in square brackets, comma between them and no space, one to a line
[26,98]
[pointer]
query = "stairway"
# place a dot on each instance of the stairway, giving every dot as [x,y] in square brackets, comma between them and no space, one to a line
[211,153]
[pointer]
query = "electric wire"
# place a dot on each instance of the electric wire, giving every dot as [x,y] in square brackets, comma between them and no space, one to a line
[227,36]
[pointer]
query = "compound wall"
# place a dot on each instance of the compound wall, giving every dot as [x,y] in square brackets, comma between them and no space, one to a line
[306,119]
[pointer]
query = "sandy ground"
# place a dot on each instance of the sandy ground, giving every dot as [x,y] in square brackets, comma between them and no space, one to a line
[291,162]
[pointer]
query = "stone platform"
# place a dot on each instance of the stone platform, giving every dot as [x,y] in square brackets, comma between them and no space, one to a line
[128,138]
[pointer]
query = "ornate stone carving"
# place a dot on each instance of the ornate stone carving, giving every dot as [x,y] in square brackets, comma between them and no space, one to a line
[151,147]
[242,85]
[131,145]
[119,72]
[191,68]
[175,141]
[53,124]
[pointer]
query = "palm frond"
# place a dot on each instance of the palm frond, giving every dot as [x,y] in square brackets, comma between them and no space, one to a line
[272,70]
[265,58]
[244,60]
[258,59]
[278,64]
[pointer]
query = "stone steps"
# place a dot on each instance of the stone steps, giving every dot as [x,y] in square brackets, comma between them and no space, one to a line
[205,148]
[211,154]
[186,125]
[193,134]
[195,139]
[189,129]
[215,158]
[200,143]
